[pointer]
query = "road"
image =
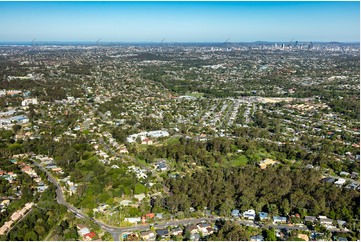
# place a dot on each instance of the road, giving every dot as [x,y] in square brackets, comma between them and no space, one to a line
[285,226]
[116,231]
[169,223]
[61,200]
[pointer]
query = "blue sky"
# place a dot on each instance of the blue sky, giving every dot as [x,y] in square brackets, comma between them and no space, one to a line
[180,21]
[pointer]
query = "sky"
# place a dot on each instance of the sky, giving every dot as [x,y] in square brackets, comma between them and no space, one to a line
[180,21]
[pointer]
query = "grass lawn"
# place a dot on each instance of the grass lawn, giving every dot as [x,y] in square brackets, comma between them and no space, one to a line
[142,162]
[172,140]
[194,94]
[263,153]
[239,161]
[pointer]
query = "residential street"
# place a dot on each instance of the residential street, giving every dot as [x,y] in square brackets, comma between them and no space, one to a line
[116,231]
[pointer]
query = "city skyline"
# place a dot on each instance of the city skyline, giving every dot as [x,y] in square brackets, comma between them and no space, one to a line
[180,21]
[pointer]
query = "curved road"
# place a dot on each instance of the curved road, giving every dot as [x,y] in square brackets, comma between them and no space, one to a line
[116,231]
[61,200]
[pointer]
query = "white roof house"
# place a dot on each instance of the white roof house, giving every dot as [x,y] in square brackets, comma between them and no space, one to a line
[84,231]
[340,181]
[249,214]
[133,220]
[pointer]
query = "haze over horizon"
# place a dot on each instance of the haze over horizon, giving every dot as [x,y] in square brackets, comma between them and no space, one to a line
[157,22]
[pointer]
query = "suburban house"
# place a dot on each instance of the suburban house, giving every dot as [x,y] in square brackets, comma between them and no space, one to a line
[209,231]
[26,168]
[341,239]
[278,219]
[57,169]
[133,220]
[159,216]
[195,237]
[149,216]
[163,233]
[310,219]
[257,238]
[3,229]
[341,223]
[267,162]
[41,188]
[83,231]
[130,237]
[161,165]
[303,236]
[352,186]
[263,216]
[80,226]
[89,236]
[5,203]
[324,220]
[176,231]
[125,203]
[249,214]
[140,197]
[235,213]
[123,150]
[28,101]
[147,235]
[354,175]
[340,182]
[15,216]
[205,229]
[147,141]
[193,229]
[344,173]
[6,227]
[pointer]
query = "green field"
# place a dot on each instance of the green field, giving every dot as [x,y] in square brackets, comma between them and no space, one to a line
[239,161]
[194,94]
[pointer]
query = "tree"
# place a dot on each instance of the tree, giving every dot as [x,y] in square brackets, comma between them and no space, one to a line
[139,188]
[187,235]
[107,237]
[16,128]
[6,134]
[285,206]
[269,235]
[30,235]
[40,230]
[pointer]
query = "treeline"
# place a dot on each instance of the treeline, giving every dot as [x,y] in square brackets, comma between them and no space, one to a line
[65,231]
[79,69]
[232,231]
[219,151]
[276,190]
[348,107]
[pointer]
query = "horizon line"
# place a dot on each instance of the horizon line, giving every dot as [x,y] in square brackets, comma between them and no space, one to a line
[39,42]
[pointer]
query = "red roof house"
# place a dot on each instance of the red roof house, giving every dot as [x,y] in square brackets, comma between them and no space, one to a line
[90,235]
